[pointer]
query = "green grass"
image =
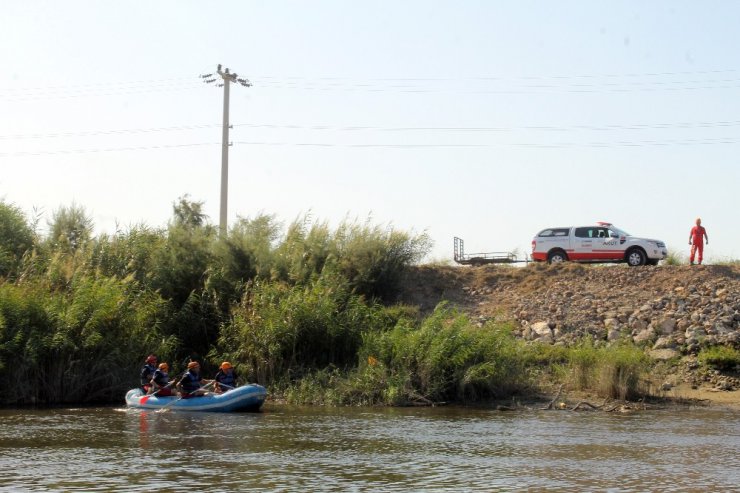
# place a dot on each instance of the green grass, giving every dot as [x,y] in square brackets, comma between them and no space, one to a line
[303,309]
[78,312]
[675,258]
[439,359]
[445,358]
[720,357]
[616,371]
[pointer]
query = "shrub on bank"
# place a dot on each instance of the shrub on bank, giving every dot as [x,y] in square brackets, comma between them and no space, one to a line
[444,358]
[16,238]
[300,312]
[78,313]
[369,258]
[280,331]
[81,344]
[615,371]
[675,258]
[720,357]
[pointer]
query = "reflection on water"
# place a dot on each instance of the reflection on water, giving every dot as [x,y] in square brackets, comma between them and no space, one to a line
[308,449]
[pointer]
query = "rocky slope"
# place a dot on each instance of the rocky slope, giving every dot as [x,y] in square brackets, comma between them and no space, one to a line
[673,311]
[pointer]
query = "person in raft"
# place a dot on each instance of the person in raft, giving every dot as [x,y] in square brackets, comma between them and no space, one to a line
[191,384]
[696,239]
[147,372]
[225,378]
[161,384]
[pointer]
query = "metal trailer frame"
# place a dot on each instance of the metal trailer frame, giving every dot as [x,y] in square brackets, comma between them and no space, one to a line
[463,258]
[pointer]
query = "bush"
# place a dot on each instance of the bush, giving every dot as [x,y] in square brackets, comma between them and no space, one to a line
[441,358]
[675,258]
[369,385]
[612,371]
[78,313]
[371,259]
[447,358]
[281,331]
[16,237]
[720,357]
[130,253]
[621,372]
[77,345]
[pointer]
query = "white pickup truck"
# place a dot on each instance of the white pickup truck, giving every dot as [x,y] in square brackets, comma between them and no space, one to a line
[601,242]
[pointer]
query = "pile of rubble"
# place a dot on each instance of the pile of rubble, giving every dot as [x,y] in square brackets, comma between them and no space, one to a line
[670,309]
[673,310]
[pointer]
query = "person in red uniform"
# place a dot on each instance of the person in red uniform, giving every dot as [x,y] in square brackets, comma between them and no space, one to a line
[696,240]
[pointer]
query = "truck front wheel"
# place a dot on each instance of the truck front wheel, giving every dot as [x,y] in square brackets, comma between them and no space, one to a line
[636,257]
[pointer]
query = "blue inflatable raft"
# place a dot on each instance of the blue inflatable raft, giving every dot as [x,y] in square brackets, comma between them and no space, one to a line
[245,398]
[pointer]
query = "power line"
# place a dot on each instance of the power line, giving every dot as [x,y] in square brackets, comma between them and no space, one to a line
[409,85]
[370,128]
[268,79]
[531,145]
[89,133]
[133,91]
[109,149]
[521,90]
[501,78]
[537,145]
[303,79]
[557,128]
[104,84]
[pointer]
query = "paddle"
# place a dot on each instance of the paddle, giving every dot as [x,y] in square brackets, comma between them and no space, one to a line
[224,385]
[171,382]
[204,387]
[166,406]
[156,393]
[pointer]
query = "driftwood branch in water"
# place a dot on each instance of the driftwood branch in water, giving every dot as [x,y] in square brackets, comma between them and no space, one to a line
[420,400]
[514,405]
[549,406]
[592,406]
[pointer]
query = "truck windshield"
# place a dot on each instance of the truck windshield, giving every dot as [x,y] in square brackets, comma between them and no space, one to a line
[620,232]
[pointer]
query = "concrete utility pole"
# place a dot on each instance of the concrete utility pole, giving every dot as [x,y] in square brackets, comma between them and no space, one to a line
[227,78]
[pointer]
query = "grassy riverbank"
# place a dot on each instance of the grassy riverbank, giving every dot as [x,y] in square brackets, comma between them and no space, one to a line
[447,359]
[78,313]
[309,311]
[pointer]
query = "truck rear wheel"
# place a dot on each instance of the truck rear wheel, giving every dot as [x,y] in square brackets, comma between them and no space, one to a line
[556,256]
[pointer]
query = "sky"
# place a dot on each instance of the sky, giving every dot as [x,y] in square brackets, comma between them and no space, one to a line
[484,120]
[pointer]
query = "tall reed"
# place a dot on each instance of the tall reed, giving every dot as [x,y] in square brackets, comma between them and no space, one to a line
[618,371]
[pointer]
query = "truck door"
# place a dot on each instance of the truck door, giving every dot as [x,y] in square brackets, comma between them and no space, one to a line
[583,243]
[604,246]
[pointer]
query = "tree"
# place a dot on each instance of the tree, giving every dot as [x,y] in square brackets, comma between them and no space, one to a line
[179,271]
[70,227]
[188,213]
[16,237]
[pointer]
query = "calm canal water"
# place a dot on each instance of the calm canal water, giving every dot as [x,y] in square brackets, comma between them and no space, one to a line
[315,449]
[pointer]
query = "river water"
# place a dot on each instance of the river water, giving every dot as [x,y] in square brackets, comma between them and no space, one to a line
[287,449]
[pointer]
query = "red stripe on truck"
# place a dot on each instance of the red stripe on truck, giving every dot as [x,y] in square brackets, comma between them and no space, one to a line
[597,255]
